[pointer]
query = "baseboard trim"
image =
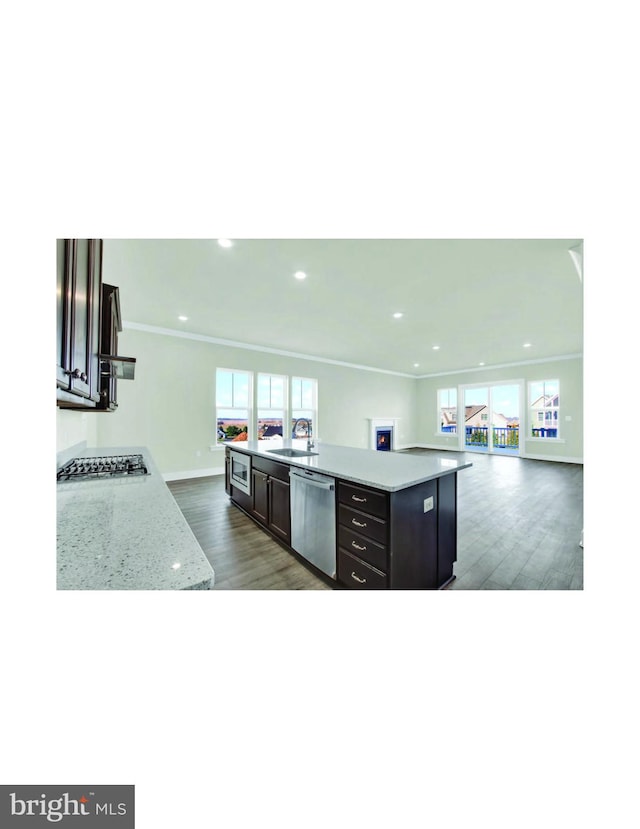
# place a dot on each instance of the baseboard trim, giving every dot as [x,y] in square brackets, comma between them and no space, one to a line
[192,473]
[558,458]
[431,446]
[527,456]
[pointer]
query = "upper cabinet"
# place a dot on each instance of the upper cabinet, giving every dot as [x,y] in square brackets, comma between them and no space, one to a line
[87,361]
[79,276]
[113,367]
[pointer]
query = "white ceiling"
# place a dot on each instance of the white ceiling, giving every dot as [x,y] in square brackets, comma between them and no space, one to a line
[479,300]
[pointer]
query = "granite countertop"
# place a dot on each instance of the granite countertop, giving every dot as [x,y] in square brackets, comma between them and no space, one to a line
[390,471]
[125,533]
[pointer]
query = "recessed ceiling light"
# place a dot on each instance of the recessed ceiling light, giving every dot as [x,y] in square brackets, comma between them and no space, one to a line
[397,315]
[183,319]
[300,275]
[416,365]
[225,243]
[480,364]
[435,347]
[526,345]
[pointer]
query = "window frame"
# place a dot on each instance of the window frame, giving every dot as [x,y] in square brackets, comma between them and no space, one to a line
[283,411]
[253,409]
[313,408]
[249,408]
[448,391]
[540,416]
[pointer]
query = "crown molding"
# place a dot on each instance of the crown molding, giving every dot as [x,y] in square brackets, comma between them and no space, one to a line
[205,338]
[503,365]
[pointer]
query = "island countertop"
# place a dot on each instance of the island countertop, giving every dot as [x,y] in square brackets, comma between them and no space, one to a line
[390,471]
[125,533]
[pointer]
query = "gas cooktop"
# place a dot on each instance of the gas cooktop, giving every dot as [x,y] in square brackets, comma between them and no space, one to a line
[107,466]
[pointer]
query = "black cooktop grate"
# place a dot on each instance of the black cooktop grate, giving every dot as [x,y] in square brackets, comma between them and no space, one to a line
[107,466]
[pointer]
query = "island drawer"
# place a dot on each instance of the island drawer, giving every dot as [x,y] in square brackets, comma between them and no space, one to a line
[366,549]
[363,524]
[368,500]
[358,575]
[269,467]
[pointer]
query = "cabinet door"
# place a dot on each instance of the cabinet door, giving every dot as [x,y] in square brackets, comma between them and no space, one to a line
[259,488]
[64,269]
[227,475]
[110,318]
[279,509]
[85,318]
[79,275]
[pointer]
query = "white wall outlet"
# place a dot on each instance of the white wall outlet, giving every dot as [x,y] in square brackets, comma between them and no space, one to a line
[567,417]
[428,504]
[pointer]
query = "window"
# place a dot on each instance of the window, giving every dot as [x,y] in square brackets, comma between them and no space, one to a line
[544,406]
[261,405]
[271,401]
[448,411]
[304,403]
[233,405]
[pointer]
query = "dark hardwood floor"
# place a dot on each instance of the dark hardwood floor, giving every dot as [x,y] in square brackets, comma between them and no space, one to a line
[243,556]
[519,526]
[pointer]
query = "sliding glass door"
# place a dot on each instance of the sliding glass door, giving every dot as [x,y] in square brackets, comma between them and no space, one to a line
[492,418]
[476,418]
[505,419]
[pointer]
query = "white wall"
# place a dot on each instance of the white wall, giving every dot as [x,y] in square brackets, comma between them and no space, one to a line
[73,427]
[568,372]
[170,406]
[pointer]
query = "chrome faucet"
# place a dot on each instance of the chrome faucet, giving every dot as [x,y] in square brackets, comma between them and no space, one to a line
[310,443]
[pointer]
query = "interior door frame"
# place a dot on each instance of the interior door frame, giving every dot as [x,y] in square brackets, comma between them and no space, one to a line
[489,385]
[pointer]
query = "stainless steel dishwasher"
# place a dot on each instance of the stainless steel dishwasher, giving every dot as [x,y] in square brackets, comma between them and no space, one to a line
[313,518]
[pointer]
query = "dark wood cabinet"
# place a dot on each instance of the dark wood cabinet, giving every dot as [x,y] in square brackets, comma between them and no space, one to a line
[112,366]
[88,322]
[363,537]
[227,472]
[79,276]
[400,540]
[269,500]
[260,493]
[279,508]
[403,540]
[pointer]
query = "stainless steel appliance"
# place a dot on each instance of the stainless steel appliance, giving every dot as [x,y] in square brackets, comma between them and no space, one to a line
[241,471]
[106,466]
[313,518]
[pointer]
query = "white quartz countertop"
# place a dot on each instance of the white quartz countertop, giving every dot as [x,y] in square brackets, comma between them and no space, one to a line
[390,471]
[125,533]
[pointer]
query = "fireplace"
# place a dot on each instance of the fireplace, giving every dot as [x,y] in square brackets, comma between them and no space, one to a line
[383,439]
[383,433]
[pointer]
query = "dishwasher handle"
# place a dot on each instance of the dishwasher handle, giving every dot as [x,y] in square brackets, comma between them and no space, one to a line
[328,485]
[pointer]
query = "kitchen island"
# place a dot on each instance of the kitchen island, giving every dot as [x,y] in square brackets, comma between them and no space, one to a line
[125,533]
[394,516]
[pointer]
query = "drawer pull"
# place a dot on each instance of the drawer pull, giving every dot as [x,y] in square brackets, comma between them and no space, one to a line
[357,546]
[353,576]
[357,523]
[359,500]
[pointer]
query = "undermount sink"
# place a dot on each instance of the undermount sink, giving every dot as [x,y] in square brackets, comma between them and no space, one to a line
[291,453]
